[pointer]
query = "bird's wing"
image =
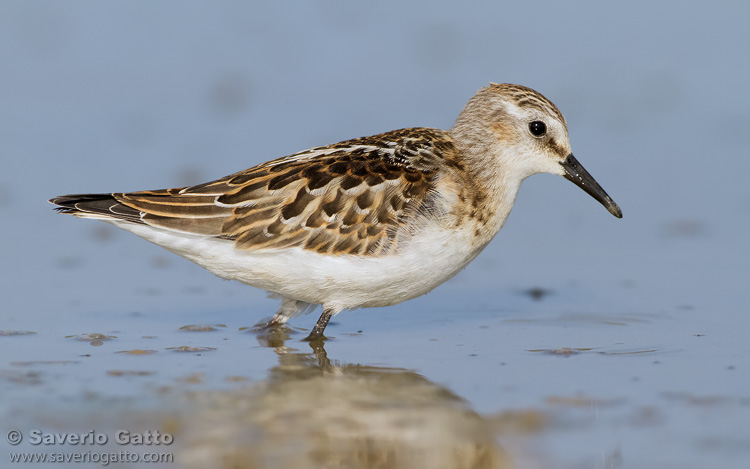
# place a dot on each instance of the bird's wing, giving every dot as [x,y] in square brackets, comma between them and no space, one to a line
[354,197]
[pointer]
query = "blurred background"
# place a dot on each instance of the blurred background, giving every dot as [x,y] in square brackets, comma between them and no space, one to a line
[625,339]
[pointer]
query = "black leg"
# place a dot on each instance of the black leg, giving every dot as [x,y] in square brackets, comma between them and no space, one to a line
[271,324]
[316,334]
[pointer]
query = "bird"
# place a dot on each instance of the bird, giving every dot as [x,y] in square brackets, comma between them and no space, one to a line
[368,222]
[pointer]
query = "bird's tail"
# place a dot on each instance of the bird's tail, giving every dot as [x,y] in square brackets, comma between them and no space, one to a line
[101,206]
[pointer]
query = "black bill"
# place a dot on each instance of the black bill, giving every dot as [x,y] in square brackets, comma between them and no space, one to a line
[578,174]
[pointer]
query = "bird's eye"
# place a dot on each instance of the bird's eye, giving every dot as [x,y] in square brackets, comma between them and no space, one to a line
[537,128]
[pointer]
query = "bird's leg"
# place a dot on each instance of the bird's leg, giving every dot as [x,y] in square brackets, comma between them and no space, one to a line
[278,320]
[316,335]
[289,308]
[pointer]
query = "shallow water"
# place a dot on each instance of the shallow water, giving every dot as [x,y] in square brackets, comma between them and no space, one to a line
[479,392]
[574,341]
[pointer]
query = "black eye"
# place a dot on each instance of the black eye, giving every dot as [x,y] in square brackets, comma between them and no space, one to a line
[537,128]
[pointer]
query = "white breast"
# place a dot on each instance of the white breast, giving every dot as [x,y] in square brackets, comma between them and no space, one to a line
[337,281]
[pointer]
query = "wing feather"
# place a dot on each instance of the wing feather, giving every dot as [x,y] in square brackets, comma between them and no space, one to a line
[354,197]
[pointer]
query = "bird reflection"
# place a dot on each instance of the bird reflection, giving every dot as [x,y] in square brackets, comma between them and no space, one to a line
[313,412]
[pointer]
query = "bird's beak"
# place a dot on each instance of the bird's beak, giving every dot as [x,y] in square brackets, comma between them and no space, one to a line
[578,174]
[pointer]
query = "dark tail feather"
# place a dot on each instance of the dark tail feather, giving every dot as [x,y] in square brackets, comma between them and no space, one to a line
[105,205]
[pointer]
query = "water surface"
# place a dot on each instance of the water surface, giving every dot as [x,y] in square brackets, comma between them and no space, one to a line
[575,340]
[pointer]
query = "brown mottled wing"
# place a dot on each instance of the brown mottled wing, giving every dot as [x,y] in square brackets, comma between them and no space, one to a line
[353,197]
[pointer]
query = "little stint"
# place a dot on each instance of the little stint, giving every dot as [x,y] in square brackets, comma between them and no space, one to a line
[367,222]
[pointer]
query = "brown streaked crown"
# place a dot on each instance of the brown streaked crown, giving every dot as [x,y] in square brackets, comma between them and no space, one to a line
[526,97]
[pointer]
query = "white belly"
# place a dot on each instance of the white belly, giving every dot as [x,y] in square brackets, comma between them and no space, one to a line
[341,281]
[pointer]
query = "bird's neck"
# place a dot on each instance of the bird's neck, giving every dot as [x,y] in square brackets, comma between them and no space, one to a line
[494,173]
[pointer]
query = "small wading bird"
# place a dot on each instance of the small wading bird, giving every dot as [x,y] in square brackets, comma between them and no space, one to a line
[367,222]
